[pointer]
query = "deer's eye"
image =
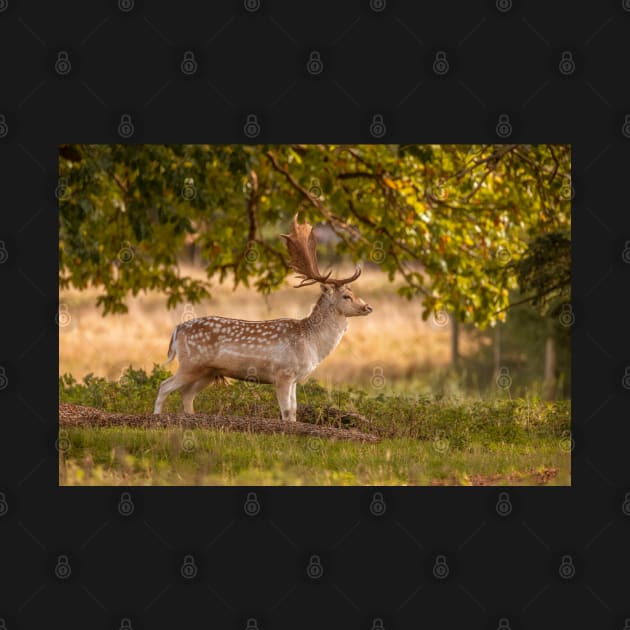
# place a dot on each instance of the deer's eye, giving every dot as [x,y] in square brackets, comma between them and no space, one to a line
[347,297]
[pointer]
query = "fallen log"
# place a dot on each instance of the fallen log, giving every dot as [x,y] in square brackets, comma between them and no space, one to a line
[80,416]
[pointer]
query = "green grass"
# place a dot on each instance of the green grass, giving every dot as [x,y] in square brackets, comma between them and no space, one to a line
[425,440]
[114,456]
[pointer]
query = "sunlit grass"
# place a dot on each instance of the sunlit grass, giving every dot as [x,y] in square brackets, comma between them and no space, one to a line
[115,456]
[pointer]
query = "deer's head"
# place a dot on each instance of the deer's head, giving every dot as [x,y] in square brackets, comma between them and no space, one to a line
[302,246]
[345,301]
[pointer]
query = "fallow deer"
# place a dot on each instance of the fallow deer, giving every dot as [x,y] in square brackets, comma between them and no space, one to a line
[278,351]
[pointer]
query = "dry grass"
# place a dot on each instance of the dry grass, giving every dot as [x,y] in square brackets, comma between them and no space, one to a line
[393,338]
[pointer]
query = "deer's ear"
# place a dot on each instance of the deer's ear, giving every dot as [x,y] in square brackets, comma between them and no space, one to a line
[326,288]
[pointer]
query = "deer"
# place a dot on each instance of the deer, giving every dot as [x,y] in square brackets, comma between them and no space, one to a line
[278,352]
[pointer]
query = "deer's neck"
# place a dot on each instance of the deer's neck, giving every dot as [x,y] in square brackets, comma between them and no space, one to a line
[325,327]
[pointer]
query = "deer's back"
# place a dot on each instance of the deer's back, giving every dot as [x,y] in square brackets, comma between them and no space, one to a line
[246,350]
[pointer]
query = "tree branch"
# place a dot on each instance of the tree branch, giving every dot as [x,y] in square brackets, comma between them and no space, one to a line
[533,298]
[332,218]
[305,193]
[495,156]
[357,174]
[252,206]
[120,183]
[555,161]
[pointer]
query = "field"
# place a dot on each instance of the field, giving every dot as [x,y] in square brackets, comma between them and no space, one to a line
[394,339]
[389,377]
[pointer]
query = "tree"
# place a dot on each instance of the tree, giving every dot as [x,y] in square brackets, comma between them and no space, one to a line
[465,225]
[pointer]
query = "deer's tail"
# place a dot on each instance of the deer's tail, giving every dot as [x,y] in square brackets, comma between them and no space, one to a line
[172,351]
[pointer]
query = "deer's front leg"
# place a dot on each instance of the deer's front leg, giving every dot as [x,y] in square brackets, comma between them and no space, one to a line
[284,388]
[293,401]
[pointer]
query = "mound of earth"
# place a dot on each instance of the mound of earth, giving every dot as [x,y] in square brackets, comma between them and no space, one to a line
[80,416]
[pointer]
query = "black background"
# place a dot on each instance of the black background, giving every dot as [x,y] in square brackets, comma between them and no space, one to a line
[374,62]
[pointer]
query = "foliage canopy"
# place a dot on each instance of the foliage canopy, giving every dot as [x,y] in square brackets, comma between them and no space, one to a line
[465,225]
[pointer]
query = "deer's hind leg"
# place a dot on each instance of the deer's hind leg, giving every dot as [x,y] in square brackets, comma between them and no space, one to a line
[171,384]
[190,390]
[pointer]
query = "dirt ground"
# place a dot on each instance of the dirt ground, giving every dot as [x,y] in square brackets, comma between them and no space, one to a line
[80,416]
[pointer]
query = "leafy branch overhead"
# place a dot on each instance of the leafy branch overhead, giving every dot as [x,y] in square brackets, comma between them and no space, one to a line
[468,227]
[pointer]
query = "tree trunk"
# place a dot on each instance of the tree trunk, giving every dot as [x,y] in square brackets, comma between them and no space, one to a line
[550,367]
[455,342]
[497,350]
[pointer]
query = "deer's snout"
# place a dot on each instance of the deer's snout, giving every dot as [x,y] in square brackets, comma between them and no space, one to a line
[367,309]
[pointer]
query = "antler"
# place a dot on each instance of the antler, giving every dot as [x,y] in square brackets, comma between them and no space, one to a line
[302,246]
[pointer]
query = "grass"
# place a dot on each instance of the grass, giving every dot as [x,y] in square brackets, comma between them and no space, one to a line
[426,440]
[203,457]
